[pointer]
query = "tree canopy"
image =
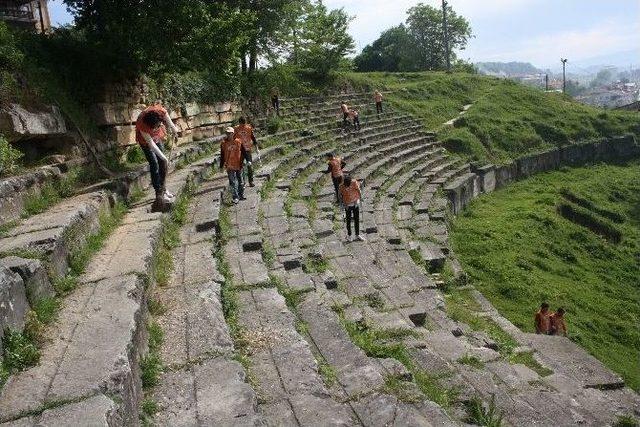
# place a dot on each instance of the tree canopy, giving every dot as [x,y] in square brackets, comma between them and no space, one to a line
[417,45]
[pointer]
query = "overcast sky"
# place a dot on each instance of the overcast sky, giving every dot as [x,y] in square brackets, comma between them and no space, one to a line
[537,31]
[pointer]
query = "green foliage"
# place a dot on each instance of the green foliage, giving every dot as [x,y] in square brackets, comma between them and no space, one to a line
[480,415]
[9,157]
[315,264]
[507,120]
[626,421]
[46,309]
[19,350]
[149,407]
[472,361]
[135,155]
[527,359]
[151,365]
[327,372]
[418,44]
[519,252]
[64,285]
[10,60]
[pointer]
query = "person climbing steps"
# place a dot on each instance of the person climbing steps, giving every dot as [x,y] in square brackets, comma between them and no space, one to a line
[232,153]
[351,196]
[244,132]
[377,96]
[335,166]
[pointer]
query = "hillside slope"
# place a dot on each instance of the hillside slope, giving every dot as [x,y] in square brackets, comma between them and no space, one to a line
[519,251]
[506,120]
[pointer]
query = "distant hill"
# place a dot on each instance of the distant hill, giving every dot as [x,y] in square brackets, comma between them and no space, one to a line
[508,68]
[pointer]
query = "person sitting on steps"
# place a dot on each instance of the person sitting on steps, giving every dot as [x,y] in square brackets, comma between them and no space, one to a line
[231,154]
[377,96]
[351,196]
[244,132]
[355,117]
[558,326]
[542,322]
[345,114]
[150,134]
[335,166]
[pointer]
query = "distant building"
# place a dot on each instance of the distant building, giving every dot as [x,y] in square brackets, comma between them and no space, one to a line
[28,15]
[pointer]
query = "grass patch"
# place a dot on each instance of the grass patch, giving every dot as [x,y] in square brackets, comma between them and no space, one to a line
[156,307]
[46,309]
[373,300]
[19,352]
[626,421]
[482,415]
[151,365]
[403,390]
[327,372]
[519,252]
[268,253]
[527,359]
[108,222]
[472,361]
[65,285]
[315,264]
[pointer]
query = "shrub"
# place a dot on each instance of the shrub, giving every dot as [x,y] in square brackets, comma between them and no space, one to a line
[9,157]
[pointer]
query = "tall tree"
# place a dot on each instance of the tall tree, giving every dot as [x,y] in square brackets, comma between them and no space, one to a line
[394,50]
[323,39]
[426,27]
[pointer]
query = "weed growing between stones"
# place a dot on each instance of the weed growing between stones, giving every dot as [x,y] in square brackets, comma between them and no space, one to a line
[268,253]
[472,361]
[108,222]
[405,391]
[626,421]
[19,353]
[156,307]
[151,364]
[480,415]
[527,359]
[65,285]
[326,371]
[136,194]
[46,309]
[149,409]
[315,264]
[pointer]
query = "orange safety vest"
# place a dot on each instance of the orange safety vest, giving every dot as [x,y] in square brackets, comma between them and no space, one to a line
[350,194]
[158,133]
[232,154]
[245,133]
[336,167]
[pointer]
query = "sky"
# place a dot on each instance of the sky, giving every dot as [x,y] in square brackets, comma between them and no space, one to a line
[536,31]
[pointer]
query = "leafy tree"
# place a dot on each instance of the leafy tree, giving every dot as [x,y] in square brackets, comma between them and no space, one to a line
[418,45]
[394,50]
[425,26]
[10,60]
[324,40]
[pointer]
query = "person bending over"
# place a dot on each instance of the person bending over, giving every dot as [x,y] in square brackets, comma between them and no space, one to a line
[150,134]
[558,326]
[335,166]
[351,195]
[542,322]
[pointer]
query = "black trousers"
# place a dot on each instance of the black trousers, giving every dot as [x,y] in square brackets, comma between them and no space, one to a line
[157,168]
[336,186]
[378,107]
[356,122]
[248,158]
[353,212]
[275,103]
[345,119]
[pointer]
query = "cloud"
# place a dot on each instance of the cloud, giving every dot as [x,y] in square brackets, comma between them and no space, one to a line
[576,45]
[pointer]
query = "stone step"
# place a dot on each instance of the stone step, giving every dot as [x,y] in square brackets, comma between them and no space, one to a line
[100,337]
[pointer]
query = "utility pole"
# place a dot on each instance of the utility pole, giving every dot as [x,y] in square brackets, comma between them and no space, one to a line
[564,74]
[546,82]
[445,32]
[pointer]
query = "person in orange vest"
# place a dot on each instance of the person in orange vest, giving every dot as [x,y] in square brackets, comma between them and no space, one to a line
[542,322]
[345,113]
[351,195]
[558,326]
[377,96]
[244,132]
[231,155]
[335,165]
[150,134]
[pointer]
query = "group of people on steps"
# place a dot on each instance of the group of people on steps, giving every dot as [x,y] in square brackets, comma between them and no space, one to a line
[550,323]
[236,154]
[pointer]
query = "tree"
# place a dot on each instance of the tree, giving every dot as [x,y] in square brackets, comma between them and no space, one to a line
[602,78]
[425,26]
[394,50]
[323,39]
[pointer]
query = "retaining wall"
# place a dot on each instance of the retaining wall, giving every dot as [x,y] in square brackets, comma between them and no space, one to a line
[489,177]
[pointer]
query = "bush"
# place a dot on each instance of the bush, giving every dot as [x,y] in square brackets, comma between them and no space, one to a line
[9,157]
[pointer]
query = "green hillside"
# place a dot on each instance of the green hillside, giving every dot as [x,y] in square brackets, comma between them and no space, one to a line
[519,251]
[507,119]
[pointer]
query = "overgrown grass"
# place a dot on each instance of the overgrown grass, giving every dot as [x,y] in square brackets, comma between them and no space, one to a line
[151,365]
[19,353]
[519,252]
[527,359]
[488,416]
[507,119]
[472,361]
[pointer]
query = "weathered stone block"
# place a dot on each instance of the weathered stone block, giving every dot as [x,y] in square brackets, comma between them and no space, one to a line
[16,122]
[122,135]
[34,276]
[13,302]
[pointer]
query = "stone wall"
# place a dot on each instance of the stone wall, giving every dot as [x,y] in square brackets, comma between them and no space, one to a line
[487,178]
[197,122]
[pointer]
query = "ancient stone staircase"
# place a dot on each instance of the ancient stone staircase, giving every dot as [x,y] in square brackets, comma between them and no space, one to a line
[271,318]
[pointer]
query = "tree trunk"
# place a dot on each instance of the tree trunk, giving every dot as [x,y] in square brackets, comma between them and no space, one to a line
[253,59]
[244,63]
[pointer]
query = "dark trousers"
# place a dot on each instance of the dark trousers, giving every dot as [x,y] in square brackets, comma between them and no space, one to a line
[336,186]
[275,103]
[378,107]
[236,184]
[353,212]
[249,158]
[345,119]
[157,168]
[356,122]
